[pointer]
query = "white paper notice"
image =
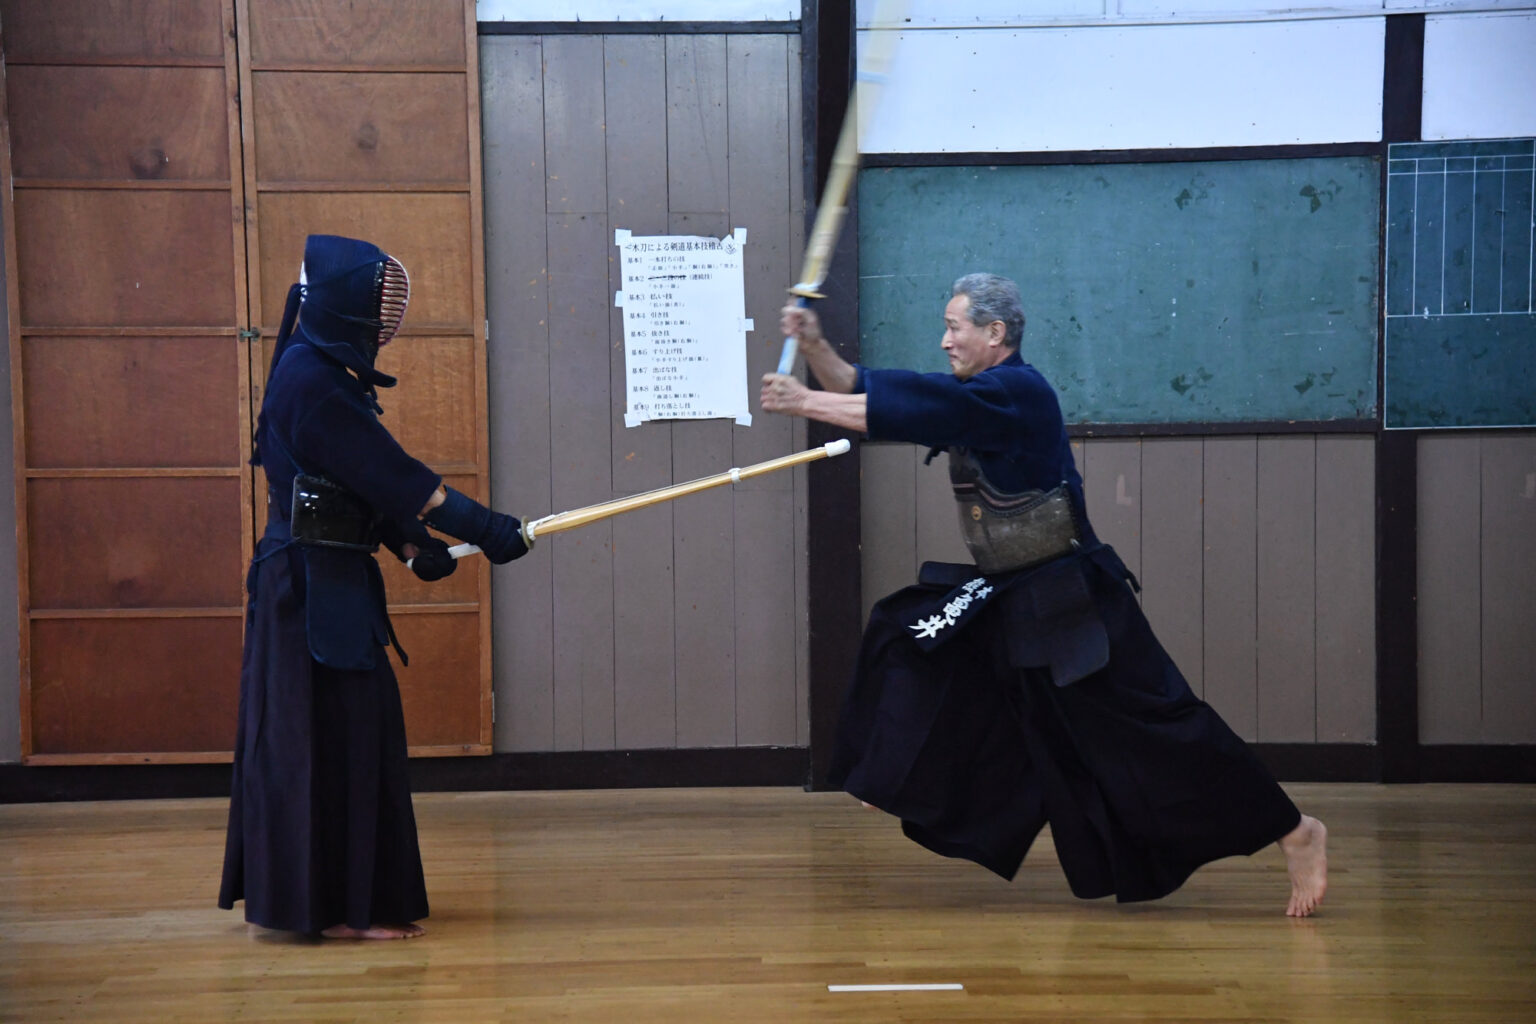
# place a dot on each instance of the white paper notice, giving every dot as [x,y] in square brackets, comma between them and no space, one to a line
[685,347]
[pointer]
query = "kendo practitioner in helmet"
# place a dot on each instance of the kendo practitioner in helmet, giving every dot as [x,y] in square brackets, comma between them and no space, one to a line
[322,837]
[1026,689]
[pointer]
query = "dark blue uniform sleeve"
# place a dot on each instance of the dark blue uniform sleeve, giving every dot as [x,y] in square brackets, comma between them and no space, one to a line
[996,410]
[342,439]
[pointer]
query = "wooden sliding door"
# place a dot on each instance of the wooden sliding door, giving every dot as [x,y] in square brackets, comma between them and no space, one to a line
[167,159]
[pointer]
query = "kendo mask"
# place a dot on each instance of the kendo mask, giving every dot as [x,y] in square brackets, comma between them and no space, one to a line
[353,297]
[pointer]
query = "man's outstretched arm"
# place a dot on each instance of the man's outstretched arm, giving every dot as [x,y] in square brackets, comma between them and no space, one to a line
[787,395]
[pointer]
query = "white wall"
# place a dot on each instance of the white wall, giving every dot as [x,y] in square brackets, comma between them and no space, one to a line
[989,76]
[1015,13]
[1131,87]
[1480,76]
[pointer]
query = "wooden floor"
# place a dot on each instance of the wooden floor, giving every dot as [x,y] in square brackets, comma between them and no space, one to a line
[746,904]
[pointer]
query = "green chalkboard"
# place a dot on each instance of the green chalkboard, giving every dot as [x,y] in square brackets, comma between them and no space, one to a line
[1220,291]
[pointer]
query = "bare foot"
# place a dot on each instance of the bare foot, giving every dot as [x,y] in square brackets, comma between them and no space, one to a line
[375,931]
[1306,861]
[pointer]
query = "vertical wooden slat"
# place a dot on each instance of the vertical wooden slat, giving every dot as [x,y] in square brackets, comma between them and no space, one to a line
[1230,531]
[644,623]
[704,532]
[698,174]
[580,459]
[1509,588]
[765,619]
[1346,594]
[635,97]
[704,542]
[1287,589]
[252,496]
[13,562]
[575,164]
[797,442]
[887,521]
[645,695]
[580,244]
[1112,486]
[512,90]
[1450,598]
[1171,476]
[757,98]
[480,329]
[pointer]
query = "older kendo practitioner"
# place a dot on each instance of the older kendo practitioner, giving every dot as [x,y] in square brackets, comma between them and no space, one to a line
[322,837]
[990,699]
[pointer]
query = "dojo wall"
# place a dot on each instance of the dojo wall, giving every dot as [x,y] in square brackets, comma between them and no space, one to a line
[683,625]
[1250,546]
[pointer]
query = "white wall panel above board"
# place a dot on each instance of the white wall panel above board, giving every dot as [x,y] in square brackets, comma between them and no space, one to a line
[1479,76]
[929,14]
[1123,87]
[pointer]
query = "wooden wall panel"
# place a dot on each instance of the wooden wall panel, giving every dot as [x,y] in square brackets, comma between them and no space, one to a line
[635,103]
[697,126]
[757,91]
[130,379]
[424,231]
[134,542]
[704,527]
[356,127]
[580,437]
[1230,581]
[113,123]
[798,428]
[444,649]
[1287,594]
[81,258]
[186,30]
[152,686]
[645,613]
[1111,470]
[512,85]
[574,154]
[1346,590]
[1257,561]
[580,243]
[1509,588]
[704,543]
[397,33]
[1450,597]
[1171,540]
[427,413]
[757,88]
[644,627]
[696,606]
[765,619]
[121,402]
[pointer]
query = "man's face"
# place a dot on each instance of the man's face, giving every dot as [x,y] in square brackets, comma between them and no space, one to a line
[971,348]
